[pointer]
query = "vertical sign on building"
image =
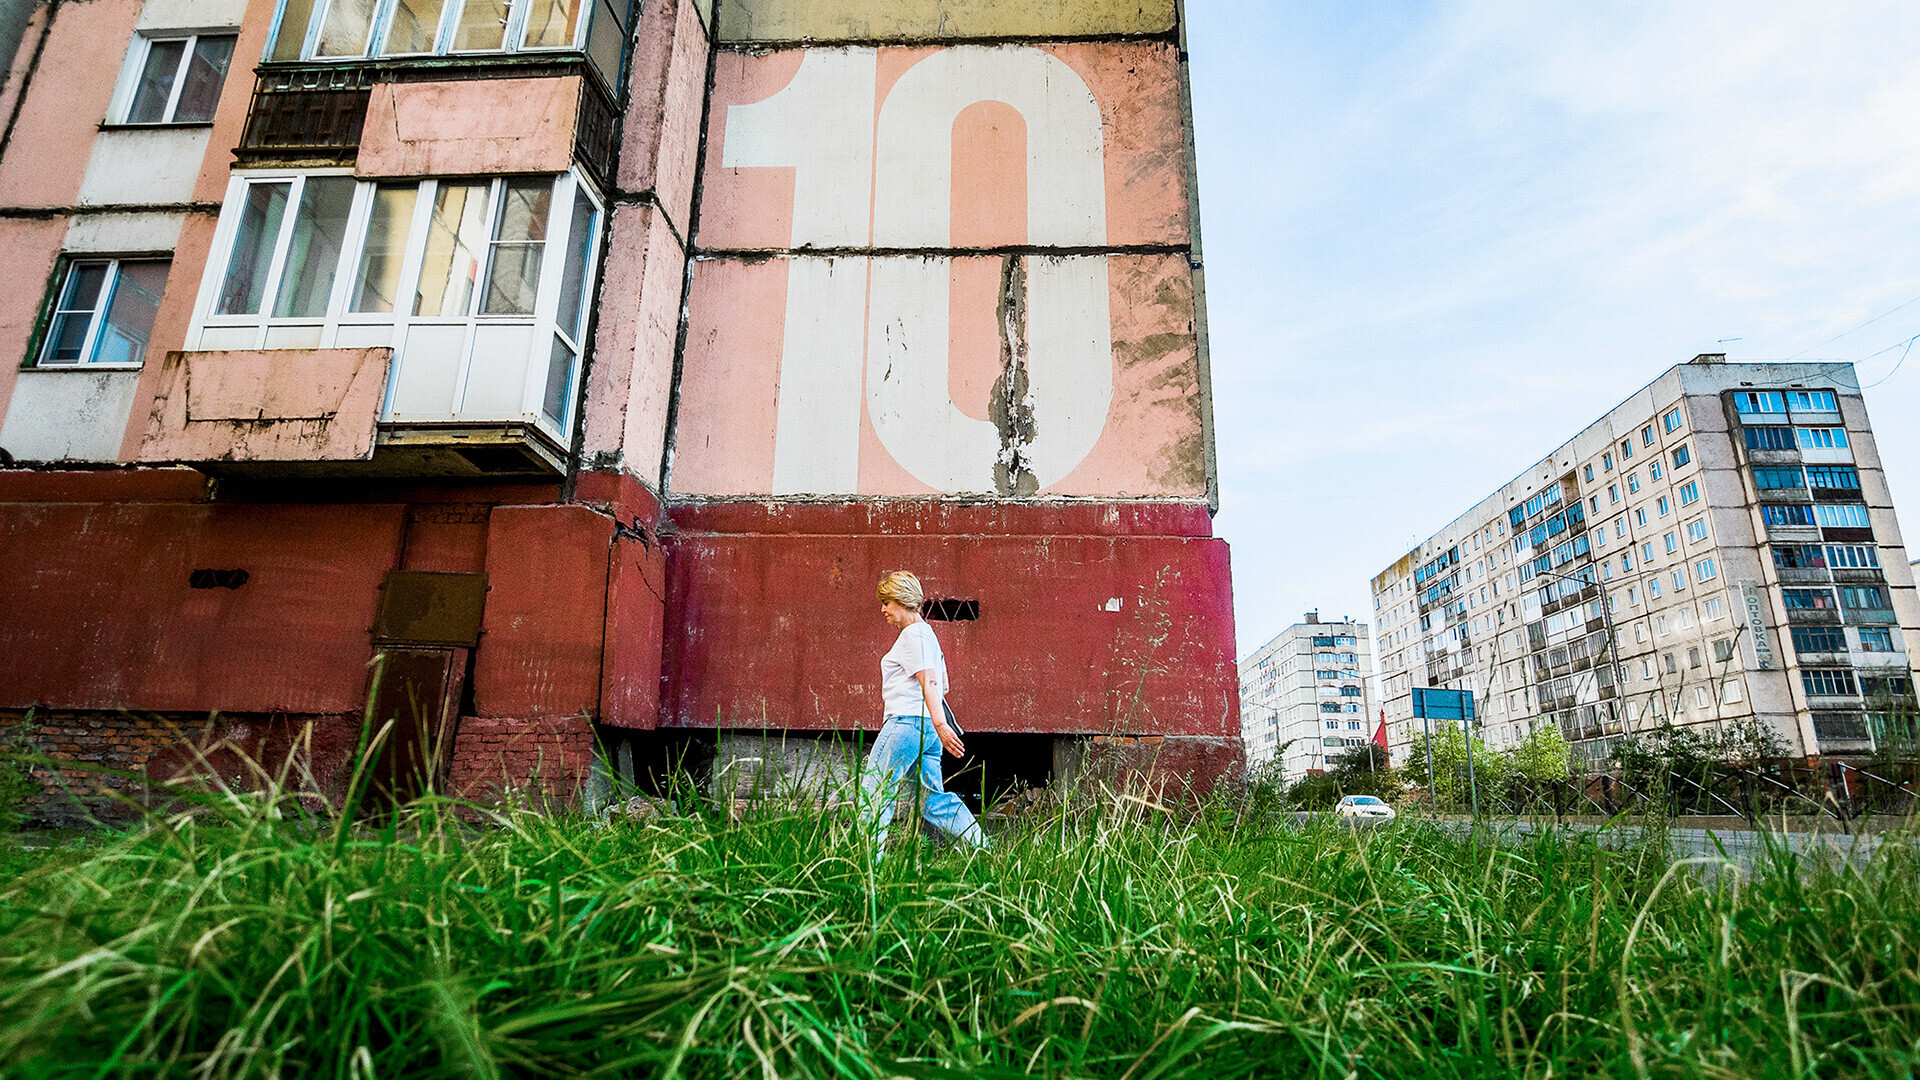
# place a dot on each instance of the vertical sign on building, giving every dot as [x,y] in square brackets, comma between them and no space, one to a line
[1752,604]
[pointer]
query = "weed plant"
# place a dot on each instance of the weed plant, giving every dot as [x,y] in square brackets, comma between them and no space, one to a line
[244,939]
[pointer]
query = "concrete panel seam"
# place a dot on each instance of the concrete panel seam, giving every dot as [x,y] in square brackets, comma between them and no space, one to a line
[922,41]
[33,213]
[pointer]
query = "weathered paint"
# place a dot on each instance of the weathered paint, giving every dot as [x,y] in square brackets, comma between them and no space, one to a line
[119,233]
[631,379]
[266,405]
[170,322]
[635,628]
[66,101]
[854,147]
[106,619]
[28,249]
[1076,634]
[68,413]
[896,20]
[749,425]
[543,631]
[660,139]
[134,166]
[478,127]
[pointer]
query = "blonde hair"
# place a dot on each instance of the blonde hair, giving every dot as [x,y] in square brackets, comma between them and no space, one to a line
[901,587]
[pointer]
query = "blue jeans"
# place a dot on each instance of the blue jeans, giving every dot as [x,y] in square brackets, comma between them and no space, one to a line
[906,743]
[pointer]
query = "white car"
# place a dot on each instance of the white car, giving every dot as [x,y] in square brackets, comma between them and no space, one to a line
[1364,807]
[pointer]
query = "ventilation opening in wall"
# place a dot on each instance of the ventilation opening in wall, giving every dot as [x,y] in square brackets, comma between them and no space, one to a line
[999,768]
[217,579]
[950,610]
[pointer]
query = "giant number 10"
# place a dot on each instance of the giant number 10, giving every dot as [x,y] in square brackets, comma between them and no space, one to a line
[874,327]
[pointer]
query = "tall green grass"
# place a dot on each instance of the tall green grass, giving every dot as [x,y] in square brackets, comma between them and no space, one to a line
[244,940]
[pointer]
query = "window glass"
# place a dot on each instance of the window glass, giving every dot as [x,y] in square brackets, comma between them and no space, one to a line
[456,237]
[483,26]
[558,400]
[253,245]
[388,223]
[206,73]
[347,26]
[1681,455]
[1772,479]
[513,270]
[292,37]
[313,255]
[415,26]
[571,314]
[137,289]
[552,24]
[1671,421]
[155,89]
[73,314]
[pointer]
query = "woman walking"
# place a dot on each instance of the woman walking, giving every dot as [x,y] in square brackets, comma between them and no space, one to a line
[913,688]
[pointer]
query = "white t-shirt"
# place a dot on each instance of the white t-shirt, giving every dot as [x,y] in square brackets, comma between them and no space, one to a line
[914,651]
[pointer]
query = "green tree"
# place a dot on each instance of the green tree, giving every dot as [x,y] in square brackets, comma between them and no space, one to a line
[1452,780]
[1543,755]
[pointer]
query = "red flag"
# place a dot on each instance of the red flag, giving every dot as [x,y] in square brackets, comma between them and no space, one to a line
[1380,733]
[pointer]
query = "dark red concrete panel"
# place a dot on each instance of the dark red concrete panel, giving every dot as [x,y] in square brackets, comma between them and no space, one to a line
[620,494]
[100,612]
[102,485]
[1076,634]
[636,609]
[541,637]
[936,517]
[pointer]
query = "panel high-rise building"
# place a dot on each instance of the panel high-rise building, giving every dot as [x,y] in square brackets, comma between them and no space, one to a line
[591,360]
[1728,527]
[1305,696]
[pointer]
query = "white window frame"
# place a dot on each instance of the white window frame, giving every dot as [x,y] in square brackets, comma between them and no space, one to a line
[136,63]
[381,24]
[102,304]
[567,187]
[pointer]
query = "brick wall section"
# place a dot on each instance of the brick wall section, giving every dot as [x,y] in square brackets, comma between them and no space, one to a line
[542,758]
[103,762]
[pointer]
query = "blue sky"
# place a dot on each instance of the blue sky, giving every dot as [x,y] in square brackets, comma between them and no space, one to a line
[1440,238]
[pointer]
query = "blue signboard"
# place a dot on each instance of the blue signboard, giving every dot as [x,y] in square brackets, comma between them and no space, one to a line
[1443,704]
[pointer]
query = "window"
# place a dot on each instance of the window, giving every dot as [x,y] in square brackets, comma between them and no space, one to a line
[1640,516]
[1646,435]
[1626,449]
[1730,692]
[1787,515]
[1722,650]
[1653,470]
[1664,506]
[1819,639]
[103,312]
[1353,725]
[1613,493]
[481,285]
[1633,483]
[1633,596]
[1646,670]
[1681,455]
[1349,691]
[1811,401]
[1653,588]
[1672,667]
[178,80]
[1619,527]
[1588,474]
[350,29]
[1716,608]
[1828,682]
[1841,516]
[1705,571]
[1853,557]
[1660,625]
[1646,552]
[1697,531]
[1876,639]
[1776,478]
[1756,402]
[1864,597]
[1839,477]
[1606,570]
[1798,557]
[1593,503]
[1606,461]
[1626,561]
[1672,541]
[1689,493]
[1821,438]
[1671,422]
[1350,707]
[1331,706]
[1808,599]
[1769,438]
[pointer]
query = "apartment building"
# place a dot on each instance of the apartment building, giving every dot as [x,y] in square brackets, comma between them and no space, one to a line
[1719,549]
[1305,696]
[589,360]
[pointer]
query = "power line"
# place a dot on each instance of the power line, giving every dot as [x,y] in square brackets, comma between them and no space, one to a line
[1838,336]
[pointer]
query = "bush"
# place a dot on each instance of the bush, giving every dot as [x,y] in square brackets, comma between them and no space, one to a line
[16,777]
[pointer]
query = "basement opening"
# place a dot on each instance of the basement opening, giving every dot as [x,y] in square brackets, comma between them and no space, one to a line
[950,610]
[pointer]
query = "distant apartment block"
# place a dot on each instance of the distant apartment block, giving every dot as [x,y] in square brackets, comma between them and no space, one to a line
[1730,522]
[1304,696]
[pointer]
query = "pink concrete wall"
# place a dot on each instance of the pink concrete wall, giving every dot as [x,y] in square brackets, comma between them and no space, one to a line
[170,322]
[28,248]
[66,101]
[230,118]
[660,143]
[1150,445]
[631,379]
[472,127]
[1136,87]
[273,405]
